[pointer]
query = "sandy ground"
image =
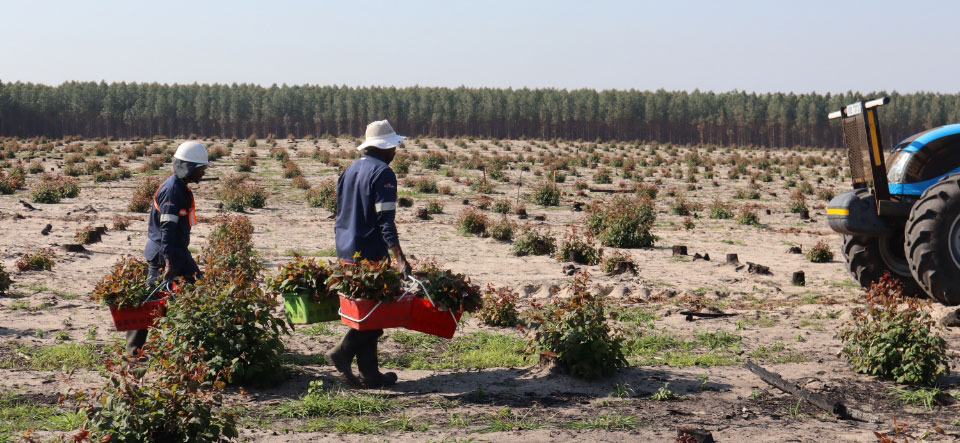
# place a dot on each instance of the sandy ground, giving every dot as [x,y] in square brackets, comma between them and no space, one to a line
[735,405]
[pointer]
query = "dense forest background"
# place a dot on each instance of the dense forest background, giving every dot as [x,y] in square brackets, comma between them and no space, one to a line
[125,110]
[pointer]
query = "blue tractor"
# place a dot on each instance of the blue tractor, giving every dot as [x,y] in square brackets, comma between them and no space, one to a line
[903,214]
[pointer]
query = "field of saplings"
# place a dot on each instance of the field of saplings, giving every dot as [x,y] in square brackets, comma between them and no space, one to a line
[606,291]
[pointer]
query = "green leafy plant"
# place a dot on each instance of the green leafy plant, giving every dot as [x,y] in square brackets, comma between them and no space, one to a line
[532,241]
[748,216]
[501,206]
[432,160]
[301,276]
[449,291]
[499,307]
[434,206]
[820,253]
[51,189]
[646,190]
[623,222]
[41,260]
[125,285]
[365,279]
[664,393]
[576,333]
[323,195]
[245,164]
[229,251]
[798,202]
[238,194]
[893,336]
[546,194]
[291,169]
[172,400]
[577,246]
[233,323]
[225,314]
[472,221]
[142,199]
[502,230]
[424,185]
[719,210]
[680,206]
[5,281]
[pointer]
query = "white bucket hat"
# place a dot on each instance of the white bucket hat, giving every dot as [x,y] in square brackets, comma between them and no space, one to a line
[381,135]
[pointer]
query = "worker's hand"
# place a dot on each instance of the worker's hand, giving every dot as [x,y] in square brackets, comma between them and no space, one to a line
[403,266]
[167,271]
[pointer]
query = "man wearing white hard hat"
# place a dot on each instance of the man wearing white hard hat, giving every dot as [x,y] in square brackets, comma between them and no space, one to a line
[173,213]
[365,228]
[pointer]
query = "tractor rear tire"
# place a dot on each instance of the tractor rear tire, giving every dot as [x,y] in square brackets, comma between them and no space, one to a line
[933,240]
[868,258]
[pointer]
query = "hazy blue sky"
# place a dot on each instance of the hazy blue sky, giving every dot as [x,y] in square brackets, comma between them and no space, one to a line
[801,46]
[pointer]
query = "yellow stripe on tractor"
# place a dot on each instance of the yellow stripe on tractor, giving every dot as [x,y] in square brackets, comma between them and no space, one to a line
[838,211]
[874,141]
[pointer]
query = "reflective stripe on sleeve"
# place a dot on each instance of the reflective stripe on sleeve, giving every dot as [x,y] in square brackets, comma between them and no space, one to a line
[169,218]
[386,206]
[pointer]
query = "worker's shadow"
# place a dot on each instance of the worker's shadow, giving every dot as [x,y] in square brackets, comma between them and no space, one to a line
[518,387]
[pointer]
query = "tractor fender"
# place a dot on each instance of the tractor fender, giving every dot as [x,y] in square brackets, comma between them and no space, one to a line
[855,213]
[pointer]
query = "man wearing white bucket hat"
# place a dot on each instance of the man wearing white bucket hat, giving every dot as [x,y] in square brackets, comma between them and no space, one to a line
[366,210]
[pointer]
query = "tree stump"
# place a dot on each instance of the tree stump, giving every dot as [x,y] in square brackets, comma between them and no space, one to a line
[694,435]
[798,279]
[759,269]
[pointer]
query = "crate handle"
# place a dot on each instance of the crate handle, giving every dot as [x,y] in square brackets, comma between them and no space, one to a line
[154,291]
[408,292]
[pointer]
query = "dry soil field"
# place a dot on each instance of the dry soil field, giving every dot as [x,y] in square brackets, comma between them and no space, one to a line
[485,385]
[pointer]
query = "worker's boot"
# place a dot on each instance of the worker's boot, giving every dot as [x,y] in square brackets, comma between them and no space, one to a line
[341,357]
[135,341]
[369,366]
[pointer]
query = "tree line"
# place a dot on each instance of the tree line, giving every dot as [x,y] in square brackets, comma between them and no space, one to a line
[125,110]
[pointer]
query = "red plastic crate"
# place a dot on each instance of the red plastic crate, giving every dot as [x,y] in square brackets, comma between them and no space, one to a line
[142,317]
[426,318]
[364,315]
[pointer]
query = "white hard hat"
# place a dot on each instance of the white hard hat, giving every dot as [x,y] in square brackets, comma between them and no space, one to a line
[381,135]
[192,152]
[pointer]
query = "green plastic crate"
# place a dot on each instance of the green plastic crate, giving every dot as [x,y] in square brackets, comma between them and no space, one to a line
[301,310]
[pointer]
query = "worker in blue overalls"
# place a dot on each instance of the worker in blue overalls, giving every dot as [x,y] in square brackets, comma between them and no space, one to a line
[173,213]
[366,209]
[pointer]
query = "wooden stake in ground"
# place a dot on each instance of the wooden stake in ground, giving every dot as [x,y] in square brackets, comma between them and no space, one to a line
[827,404]
[519,184]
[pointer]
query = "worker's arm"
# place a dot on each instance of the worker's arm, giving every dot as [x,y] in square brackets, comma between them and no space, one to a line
[339,192]
[385,203]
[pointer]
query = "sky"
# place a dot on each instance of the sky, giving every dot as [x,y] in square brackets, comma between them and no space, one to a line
[761,46]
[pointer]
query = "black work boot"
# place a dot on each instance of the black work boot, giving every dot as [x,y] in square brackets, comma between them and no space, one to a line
[135,341]
[369,366]
[341,357]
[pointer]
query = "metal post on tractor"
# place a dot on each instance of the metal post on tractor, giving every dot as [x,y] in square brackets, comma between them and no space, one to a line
[861,136]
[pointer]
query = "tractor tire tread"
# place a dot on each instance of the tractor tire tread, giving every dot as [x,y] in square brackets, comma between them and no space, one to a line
[926,242]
